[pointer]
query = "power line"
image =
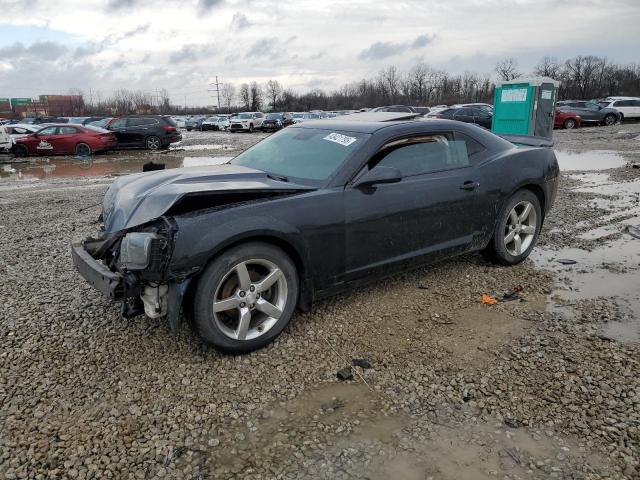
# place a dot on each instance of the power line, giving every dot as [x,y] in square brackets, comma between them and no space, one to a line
[217,89]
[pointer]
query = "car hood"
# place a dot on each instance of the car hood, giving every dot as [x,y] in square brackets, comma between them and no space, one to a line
[139,198]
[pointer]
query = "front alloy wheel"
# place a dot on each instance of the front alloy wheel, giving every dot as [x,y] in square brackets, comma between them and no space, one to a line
[245,297]
[569,123]
[249,300]
[610,119]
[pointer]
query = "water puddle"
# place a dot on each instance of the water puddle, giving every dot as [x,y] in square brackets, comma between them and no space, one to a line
[591,160]
[179,147]
[611,270]
[96,166]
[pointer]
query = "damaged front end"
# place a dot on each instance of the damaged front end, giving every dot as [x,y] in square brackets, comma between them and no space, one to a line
[133,267]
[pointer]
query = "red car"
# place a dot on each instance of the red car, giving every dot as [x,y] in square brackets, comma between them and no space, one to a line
[81,140]
[566,120]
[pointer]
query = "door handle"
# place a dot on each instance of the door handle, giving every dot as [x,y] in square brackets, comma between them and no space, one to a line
[469,185]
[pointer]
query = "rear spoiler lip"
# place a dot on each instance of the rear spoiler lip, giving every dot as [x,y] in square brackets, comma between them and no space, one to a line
[528,140]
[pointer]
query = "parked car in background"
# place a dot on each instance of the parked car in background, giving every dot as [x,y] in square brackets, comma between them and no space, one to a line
[482,106]
[42,120]
[590,112]
[61,139]
[628,107]
[246,122]
[152,132]
[566,119]
[99,122]
[277,121]
[300,117]
[395,108]
[467,115]
[18,130]
[215,123]
[5,139]
[194,123]
[77,120]
[398,194]
[92,120]
[433,111]
[422,110]
[181,122]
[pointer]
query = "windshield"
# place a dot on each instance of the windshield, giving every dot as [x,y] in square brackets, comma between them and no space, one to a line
[309,154]
[245,115]
[298,115]
[274,116]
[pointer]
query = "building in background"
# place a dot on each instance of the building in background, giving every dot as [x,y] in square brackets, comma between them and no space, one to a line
[46,105]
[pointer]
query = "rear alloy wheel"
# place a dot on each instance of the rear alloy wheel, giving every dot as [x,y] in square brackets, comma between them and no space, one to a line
[609,119]
[251,128]
[20,150]
[153,143]
[517,229]
[569,123]
[83,150]
[246,297]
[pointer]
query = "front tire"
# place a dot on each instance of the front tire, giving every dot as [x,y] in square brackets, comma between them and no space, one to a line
[516,230]
[569,124]
[609,119]
[20,150]
[245,297]
[251,128]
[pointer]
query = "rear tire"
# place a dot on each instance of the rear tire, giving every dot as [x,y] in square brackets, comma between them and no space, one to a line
[569,124]
[256,314]
[153,143]
[251,128]
[83,150]
[516,230]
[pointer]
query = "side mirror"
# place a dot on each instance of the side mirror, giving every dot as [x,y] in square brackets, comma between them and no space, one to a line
[379,175]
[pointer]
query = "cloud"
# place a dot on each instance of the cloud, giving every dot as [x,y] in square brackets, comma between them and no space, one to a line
[265,48]
[122,4]
[380,50]
[207,5]
[422,41]
[192,52]
[240,21]
[136,31]
[43,51]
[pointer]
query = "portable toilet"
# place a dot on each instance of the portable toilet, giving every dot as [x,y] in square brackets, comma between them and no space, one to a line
[525,106]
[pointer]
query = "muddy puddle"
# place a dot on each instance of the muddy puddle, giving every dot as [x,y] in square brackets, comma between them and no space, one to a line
[606,267]
[100,165]
[592,160]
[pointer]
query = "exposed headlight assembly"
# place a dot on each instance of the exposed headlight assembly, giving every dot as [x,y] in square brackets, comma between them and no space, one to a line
[135,250]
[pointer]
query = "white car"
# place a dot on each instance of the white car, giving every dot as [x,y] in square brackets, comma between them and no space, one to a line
[17,130]
[629,107]
[246,122]
[5,139]
[181,122]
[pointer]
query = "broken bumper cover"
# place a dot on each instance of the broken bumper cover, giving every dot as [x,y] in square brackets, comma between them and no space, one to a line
[97,274]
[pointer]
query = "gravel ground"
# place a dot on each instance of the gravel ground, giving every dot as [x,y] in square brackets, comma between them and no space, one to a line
[538,388]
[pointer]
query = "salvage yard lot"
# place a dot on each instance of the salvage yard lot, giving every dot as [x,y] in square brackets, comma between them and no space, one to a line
[545,386]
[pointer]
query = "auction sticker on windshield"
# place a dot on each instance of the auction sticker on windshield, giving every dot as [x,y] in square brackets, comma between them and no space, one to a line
[343,140]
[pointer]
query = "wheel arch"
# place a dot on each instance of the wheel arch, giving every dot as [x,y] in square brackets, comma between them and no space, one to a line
[295,252]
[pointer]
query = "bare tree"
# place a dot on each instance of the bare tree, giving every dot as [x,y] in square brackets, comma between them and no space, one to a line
[255,96]
[245,96]
[228,93]
[273,91]
[548,67]
[164,101]
[507,69]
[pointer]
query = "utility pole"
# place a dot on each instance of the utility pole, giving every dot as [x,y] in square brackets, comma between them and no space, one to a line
[217,90]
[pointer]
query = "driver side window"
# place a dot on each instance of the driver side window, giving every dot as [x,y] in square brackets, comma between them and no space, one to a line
[418,155]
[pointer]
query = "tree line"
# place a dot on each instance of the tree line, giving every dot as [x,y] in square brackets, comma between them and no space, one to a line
[581,77]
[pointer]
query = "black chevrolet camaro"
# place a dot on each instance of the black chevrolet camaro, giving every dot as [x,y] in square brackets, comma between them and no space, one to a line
[308,212]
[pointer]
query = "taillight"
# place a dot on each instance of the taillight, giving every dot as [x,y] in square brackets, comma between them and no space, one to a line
[169,129]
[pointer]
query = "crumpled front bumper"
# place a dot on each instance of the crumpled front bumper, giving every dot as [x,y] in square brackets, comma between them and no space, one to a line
[96,273]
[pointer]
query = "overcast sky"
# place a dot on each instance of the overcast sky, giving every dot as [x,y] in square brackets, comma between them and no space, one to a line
[50,46]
